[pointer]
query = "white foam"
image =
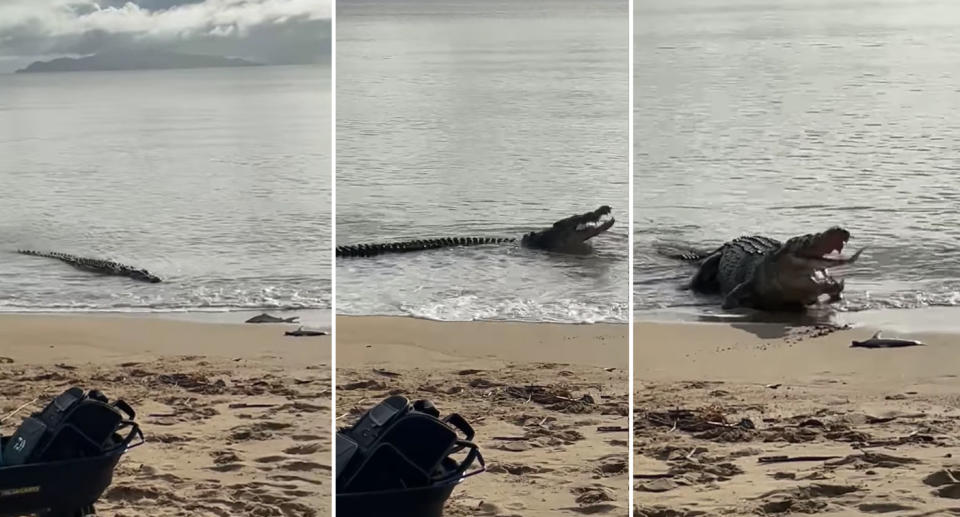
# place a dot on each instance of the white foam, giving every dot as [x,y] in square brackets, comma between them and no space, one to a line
[472,308]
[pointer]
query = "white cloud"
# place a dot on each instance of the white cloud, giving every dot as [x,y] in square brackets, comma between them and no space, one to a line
[268,31]
[64,18]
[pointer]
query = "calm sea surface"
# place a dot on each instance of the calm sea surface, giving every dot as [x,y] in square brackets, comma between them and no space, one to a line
[788,117]
[217,180]
[481,118]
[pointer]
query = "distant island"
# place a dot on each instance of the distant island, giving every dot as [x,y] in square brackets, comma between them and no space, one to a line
[133,60]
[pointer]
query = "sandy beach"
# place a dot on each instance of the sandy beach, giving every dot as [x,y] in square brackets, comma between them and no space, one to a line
[236,416]
[752,418]
[548,403]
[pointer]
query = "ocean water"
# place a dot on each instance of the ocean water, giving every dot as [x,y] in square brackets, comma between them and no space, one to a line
[481,119]
[217,180]
[783,118]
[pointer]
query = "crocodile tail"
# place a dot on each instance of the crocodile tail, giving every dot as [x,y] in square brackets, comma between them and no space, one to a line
[374,249]
[46,254]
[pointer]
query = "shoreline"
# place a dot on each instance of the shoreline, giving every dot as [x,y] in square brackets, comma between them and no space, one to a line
[921,319]
[46,339]
[408,341]
[911,320]
[313,318]
[425,318]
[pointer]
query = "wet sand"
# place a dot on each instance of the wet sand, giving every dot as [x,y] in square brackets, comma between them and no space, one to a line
[548,403]
[236,416]
[719,407]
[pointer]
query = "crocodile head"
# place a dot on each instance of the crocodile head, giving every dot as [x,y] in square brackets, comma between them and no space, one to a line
[144,276]
[798,274]
[570,235]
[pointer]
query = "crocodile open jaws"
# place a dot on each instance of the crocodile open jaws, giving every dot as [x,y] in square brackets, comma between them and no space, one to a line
[762,273]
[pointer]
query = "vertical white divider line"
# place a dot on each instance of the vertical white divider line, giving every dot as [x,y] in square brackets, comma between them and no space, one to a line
[333,256]
[630,336]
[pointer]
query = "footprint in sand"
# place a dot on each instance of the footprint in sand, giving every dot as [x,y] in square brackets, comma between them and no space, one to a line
[270,459]
[947,483]
[612,465]
[170,438]
[492,510]
[222,457]
[258,431]
[874,460]
[288,477]
[363,385]
[803,499]
[884,507]
[298,493]
[225,461]
[169,478]
[516,469]
[657,485]
[227,467]
[262,484]
[301,407]
[481,383]
[793,506]
[594,509]
[129,493]
[304,466]
[306,438]
[512,446]
[663,511]
[948,491]
[307,448]
[591,495]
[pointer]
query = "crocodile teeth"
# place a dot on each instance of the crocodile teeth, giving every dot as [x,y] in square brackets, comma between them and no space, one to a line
[822,276]
[593,224]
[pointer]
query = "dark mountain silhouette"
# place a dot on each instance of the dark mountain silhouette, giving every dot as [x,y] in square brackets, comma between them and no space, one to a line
[134,60]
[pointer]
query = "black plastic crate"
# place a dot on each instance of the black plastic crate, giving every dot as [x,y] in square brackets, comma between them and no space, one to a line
[56,489]
[410,502]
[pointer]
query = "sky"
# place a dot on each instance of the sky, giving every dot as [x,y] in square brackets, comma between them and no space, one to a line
[266,31]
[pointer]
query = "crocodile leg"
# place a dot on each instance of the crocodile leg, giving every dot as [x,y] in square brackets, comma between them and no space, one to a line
[705,281]
[739,296]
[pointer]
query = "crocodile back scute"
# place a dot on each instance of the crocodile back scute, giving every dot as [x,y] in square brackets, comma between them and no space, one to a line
[740,257]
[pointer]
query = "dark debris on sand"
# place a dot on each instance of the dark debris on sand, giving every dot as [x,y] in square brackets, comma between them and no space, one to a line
[526,427]
[188,408]
[821,456]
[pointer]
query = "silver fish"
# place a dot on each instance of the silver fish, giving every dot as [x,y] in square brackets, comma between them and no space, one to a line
[880,342]
[266,318]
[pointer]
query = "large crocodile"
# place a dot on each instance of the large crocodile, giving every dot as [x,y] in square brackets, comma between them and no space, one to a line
[568,235]
[763,273]
[105,267]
